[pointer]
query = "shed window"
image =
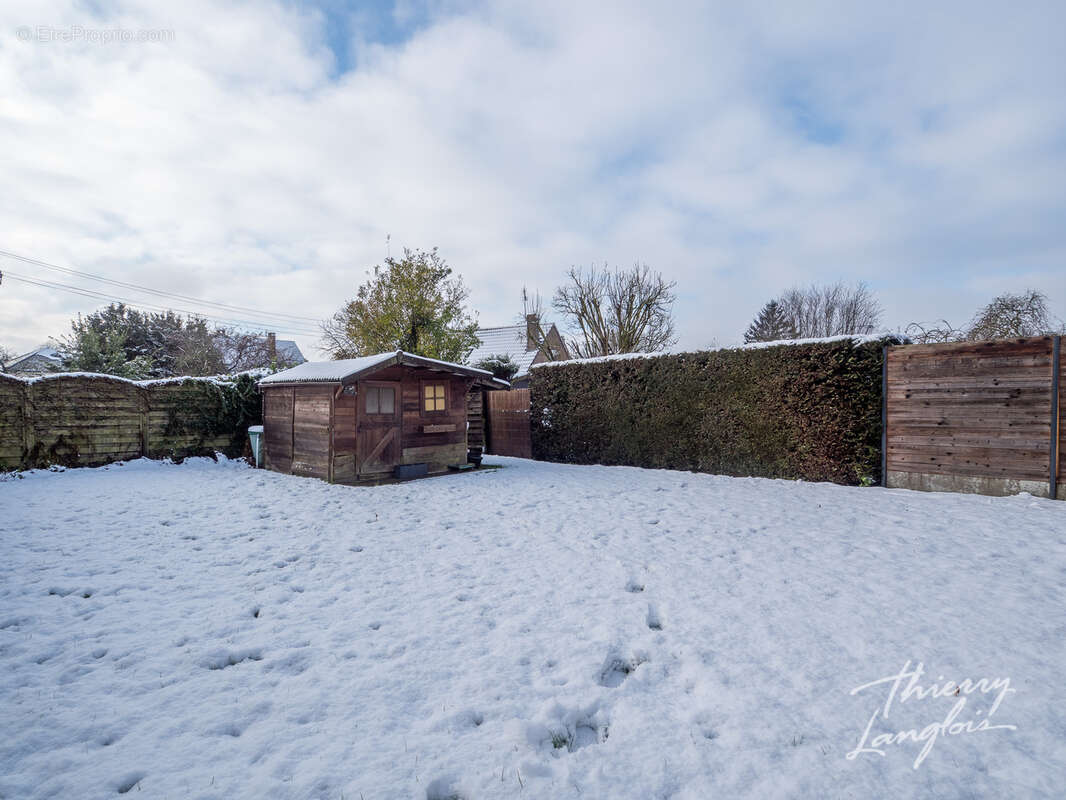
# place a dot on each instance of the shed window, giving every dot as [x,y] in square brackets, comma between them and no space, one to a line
[433,397]
[380,400]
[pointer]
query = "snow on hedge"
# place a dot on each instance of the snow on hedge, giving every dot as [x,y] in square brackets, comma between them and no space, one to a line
[856,339]
[541,631]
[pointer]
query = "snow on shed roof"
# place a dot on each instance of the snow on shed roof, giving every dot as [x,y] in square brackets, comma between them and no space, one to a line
[351,368]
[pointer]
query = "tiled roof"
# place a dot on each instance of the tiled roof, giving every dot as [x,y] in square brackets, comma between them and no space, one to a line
[289,352]
[509,340]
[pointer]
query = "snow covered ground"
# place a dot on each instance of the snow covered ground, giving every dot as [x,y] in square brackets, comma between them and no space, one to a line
[543,631]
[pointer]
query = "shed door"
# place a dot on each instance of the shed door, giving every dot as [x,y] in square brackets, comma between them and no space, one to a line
[378,427]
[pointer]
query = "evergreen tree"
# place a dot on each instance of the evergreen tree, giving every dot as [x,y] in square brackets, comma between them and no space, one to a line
[119,340]
[770,325]
[500,365]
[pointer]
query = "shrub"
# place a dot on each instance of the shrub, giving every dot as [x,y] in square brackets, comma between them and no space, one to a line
[809,411]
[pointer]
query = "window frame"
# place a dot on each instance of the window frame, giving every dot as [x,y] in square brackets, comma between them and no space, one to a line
[422,397]
[379,386]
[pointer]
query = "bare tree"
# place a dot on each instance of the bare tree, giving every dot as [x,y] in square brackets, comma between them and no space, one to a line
[834,310]
[936,332]
[1013,315]
[1006,317]
[619,311]
[5,356]
[241,350]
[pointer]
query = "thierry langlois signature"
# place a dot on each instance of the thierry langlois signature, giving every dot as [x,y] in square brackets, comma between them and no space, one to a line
[904,686]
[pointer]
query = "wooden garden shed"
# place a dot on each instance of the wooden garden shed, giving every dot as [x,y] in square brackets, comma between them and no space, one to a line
[360,419]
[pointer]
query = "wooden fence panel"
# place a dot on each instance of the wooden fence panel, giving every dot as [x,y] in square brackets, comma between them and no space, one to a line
[89,420]
[970,416]
[12,422]
[508,423]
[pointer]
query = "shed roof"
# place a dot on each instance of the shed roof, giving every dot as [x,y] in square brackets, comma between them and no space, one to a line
[350,369]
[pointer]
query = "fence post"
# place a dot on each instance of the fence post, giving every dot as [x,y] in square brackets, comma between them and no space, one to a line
[884,416]
[145,408]
[29,436]
[1053,450]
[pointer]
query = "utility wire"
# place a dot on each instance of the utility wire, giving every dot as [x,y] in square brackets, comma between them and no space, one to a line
[259,325]
[158,292]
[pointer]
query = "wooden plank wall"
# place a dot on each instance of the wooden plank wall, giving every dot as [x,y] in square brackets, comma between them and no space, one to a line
[83,420]
[508,423]
[311,419]
[12,422]
[277,428]
[970,416]
[177,415]
[344,440]
[1060,467]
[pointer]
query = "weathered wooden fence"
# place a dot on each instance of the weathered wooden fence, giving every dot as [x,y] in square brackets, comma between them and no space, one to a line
[83,420]
[508,431]
[975,416]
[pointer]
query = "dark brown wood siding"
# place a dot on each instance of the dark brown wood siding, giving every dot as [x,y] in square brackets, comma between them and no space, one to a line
[311,430]
[973,410]
[277,428]
[508,423]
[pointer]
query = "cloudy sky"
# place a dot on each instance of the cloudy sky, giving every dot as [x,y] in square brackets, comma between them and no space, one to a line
[260,154]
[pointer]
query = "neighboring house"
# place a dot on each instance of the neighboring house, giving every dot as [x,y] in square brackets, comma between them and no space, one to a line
[520,342]
[41,361]
[284,351]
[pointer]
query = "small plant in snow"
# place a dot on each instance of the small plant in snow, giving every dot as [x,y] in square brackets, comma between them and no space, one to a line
[561,739]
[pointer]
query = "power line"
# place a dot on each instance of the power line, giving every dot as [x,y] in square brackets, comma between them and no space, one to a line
[274,325]
[158,292]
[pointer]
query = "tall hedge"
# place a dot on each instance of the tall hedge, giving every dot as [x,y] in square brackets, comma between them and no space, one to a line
[809,411]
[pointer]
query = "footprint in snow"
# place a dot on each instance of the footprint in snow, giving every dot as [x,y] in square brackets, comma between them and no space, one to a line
[654,618]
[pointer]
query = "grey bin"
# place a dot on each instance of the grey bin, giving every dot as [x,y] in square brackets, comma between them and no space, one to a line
[255,433]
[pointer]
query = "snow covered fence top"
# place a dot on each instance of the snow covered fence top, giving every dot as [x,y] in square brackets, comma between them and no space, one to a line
[807,409]
[218,380]
[350,369]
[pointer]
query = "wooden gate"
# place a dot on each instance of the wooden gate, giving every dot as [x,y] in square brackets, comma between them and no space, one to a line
[975,416]
[508,423]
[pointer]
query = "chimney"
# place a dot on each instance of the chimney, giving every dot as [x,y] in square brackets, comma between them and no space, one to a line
[272,347]
[532,332]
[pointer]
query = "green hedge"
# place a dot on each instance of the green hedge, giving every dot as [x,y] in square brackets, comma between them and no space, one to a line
[809,411]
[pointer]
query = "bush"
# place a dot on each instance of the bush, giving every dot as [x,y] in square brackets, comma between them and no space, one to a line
[808,411]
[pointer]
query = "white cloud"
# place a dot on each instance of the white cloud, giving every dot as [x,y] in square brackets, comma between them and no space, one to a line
[739,149]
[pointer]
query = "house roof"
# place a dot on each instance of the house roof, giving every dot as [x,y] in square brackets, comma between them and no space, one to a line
[45,352]
[509,340]
[289,351]
[351,369]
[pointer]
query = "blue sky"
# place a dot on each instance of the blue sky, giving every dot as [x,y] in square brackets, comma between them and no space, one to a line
[267,150]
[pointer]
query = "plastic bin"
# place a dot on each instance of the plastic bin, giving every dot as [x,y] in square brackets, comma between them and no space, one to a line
[255,433]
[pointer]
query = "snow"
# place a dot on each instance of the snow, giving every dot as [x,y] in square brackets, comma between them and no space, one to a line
[219,380]
[854,338]
[207,630]
[330,371]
